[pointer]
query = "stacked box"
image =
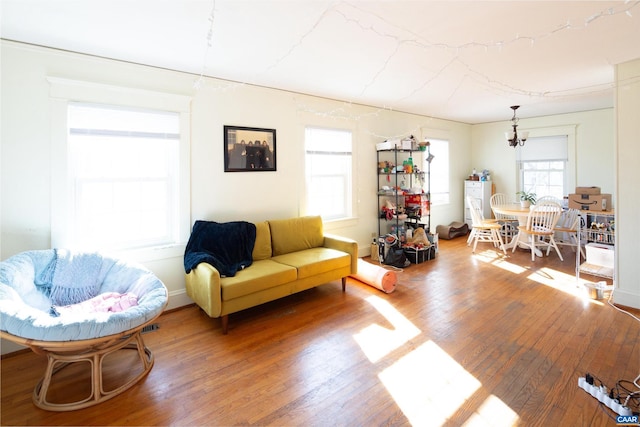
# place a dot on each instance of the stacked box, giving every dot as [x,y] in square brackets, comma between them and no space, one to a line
[590,202]
[588,190]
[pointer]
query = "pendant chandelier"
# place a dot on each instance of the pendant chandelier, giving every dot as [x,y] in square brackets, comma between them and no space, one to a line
[512,136]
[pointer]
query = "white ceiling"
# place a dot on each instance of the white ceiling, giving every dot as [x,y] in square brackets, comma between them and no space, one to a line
[460,60]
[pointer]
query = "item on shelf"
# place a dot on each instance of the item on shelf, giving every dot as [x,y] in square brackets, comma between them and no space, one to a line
[409,143]
[600,254]
[417,204]
[385,145]
[422,146]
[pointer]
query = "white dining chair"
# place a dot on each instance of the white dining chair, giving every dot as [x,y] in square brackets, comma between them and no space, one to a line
[483,230]
[539,230]
[509,223]
[549,199]
[566,230]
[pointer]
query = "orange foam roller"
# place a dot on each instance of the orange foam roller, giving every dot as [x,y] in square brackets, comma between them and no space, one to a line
[376,276]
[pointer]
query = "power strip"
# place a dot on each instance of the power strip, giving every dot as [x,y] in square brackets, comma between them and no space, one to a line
[600,393]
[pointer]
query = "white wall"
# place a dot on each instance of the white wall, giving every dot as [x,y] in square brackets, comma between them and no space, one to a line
[215,195]
[594,148]
[628,206]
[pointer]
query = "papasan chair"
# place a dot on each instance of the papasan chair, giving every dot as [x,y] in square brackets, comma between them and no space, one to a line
[79,307]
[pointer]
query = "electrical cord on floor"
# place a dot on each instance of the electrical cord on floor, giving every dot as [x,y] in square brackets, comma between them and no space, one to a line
[621,399]
[631,396]
[628,397]
[618,308]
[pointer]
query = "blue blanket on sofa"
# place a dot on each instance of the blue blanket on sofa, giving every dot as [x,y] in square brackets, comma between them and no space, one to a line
[226,246]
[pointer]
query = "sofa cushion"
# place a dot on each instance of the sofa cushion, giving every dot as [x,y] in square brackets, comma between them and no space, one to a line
[261,275]
[296,234]
[262,247]
[314,261]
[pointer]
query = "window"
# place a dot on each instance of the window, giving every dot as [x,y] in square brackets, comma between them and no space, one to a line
[120,169]
[328,166]
[439,175]
[543,166]
[124,171]
[544,178]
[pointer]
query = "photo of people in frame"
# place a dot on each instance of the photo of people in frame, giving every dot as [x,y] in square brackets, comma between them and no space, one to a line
[249,149]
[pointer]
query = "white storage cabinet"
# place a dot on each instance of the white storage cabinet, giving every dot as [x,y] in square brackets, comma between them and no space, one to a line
[480,190]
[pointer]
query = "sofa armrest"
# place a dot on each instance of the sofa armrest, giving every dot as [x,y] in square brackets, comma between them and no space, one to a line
[203,287]
[343,244]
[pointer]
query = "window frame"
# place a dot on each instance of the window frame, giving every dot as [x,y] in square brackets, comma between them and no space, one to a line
[64,91]
[350,191]
[429,133]
[549,170]
[446,195]
[570,165]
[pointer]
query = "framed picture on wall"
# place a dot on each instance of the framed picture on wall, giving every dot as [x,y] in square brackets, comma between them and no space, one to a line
[249,149]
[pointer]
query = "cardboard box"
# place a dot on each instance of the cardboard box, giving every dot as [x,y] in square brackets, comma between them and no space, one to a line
[590,202]
[600,254]
[587,190]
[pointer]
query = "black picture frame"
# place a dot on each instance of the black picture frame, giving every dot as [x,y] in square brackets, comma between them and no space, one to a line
[248,149]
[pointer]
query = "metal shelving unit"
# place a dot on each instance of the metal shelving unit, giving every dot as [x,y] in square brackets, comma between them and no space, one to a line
[395,184]
[596,227]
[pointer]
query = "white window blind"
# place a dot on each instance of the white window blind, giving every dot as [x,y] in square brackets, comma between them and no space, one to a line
[328,166]
[542,164]
[124,169]
[544,148]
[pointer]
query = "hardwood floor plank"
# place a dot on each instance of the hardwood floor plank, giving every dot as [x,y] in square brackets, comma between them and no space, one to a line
[464,338]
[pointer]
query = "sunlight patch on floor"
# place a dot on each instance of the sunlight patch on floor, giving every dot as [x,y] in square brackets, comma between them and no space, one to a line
[428,385]
[493,412]
[563,282]
[377,341]
[498,260]
[555,279]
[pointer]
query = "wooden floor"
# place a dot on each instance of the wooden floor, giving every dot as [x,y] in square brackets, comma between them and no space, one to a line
[480,339]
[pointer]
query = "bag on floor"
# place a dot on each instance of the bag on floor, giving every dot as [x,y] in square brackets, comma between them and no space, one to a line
[394,254]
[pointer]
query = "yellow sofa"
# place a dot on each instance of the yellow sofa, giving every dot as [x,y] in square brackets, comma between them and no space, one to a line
[289,256]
